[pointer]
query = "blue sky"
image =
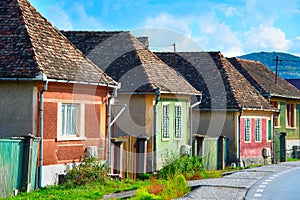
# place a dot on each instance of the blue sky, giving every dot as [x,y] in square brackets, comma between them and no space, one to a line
[233,27]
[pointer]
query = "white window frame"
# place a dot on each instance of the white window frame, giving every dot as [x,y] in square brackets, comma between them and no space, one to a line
[165,136]
[80,122]
[258,130]
[245,119]
[176,137]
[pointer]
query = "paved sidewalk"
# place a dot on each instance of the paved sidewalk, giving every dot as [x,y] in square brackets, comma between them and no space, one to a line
[235,185]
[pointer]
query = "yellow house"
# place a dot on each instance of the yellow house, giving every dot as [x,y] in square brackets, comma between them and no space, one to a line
[156,120]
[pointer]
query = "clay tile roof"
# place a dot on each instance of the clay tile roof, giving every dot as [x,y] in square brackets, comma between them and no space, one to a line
[127,60]
[222,85]
[263,79]
[30,46]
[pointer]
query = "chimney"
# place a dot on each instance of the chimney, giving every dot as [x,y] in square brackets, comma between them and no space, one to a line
[144,41]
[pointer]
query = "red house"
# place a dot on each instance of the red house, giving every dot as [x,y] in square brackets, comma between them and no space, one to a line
[49,89]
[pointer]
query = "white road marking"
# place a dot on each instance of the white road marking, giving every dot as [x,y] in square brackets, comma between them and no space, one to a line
[268,180]
[265,183]
[259,190]
[262,186]
[257,195]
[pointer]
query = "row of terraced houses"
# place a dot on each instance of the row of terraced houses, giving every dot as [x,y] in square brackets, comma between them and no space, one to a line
[107,94]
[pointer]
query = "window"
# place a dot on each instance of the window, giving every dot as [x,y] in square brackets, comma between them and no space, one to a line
[257,130]
[290,115]
[247,130]
[177,121]
[269,130]
[166,121]
[69,116]
[276,105]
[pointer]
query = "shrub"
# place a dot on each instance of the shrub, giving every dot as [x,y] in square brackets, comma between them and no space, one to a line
[188,166]
[90,169]
[143,194]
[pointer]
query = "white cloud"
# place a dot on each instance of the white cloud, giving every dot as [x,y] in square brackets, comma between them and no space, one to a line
[206,30]
[58,17]
[169,21]
[294,46]
[229,11]
[267,38]
[83,20]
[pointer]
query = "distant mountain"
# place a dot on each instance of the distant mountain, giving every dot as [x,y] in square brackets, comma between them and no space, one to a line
[288,65]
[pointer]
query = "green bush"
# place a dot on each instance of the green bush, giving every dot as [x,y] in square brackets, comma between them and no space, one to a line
[175,188]
[186,165]
[143,194]
[90,169]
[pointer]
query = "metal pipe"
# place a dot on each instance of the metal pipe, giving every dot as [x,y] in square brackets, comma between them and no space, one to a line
[239,138]
[157,98]
[191,119]
[109,134]
[45,87]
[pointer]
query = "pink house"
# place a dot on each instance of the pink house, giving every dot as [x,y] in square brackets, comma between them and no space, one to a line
[49,89]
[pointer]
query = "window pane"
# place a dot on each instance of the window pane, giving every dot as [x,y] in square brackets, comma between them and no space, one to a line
[257,130]
[166,121]
[290,115]
[69,119]
[247,129]
[177,121]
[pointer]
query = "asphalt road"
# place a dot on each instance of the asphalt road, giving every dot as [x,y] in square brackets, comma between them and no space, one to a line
[282,185]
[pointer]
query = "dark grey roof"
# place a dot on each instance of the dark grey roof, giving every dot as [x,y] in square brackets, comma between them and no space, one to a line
[263,79]
[222,85]
[30,46]
[127,60]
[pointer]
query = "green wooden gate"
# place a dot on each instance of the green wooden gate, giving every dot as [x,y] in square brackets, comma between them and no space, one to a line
[18,160]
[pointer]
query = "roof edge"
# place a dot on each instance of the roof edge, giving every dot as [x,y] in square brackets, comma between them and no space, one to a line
[84,83]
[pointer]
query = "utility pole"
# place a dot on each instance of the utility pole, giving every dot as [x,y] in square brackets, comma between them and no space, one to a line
[276,74]
[174,56]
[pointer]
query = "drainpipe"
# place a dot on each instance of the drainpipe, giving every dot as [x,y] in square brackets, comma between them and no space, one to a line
[239,137]
[109,133]
[191,121]
[45,87]
[157,98]
[113,93]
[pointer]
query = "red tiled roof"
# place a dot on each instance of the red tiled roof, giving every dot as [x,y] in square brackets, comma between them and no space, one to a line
[127,60]
[222,85]
[30,46]
[263,79]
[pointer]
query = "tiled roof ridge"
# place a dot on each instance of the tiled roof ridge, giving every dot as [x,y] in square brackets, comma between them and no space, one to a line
[224,66]
[30,13]
[23,23]
[283,88]
[87,31]
[243,71]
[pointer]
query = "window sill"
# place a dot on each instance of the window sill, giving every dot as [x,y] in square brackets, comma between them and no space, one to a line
[70,138]
[165,139]
[291,128]
[177,139]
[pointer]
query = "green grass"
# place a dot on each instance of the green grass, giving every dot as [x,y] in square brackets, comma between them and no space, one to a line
[88,191]
[292,159]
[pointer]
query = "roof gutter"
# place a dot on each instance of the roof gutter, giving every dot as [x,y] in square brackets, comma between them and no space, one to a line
[40,77]
[84,83]
[154,92]
[269,95]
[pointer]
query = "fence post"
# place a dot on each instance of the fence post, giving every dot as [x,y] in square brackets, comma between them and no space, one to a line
[27,163]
